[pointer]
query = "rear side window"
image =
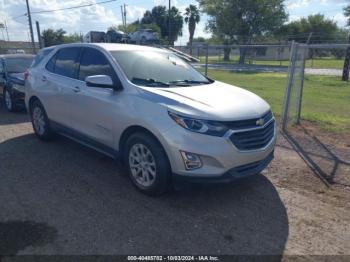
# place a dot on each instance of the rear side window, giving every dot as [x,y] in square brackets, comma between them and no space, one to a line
[93,62]
[66,62]
[40,56]
[50,66]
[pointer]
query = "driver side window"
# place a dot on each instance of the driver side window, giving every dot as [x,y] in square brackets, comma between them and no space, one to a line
[93,62]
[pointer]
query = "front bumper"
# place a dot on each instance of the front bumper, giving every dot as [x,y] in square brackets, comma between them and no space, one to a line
[231,175]
[220,158]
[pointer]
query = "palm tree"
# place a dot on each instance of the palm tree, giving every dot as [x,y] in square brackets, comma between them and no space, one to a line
[192,18]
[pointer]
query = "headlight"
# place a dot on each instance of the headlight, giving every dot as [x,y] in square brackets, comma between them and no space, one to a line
[19,88]
[207,127]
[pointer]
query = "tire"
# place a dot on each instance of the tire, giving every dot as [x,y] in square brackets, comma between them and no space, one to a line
[40,121]
[143,41]
[8,101]
[152,174]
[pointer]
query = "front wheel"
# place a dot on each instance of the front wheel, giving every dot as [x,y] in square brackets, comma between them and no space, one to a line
[9,103]
[40,121]
[147,164]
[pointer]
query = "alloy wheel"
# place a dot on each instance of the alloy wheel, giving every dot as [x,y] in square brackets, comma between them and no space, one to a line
[38,120]
[142,165]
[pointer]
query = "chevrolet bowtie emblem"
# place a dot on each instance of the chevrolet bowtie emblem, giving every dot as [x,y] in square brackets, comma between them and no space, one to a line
[260,122]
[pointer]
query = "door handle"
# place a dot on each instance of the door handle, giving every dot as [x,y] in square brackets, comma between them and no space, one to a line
[76,89]
[43,78]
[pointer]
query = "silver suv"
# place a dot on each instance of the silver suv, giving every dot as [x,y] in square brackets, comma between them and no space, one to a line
[148,106]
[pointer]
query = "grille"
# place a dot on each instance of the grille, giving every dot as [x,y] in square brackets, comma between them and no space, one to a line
[253,139]
[249,123]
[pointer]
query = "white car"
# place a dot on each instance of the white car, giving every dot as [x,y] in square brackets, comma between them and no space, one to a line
[144,36]
[148,106]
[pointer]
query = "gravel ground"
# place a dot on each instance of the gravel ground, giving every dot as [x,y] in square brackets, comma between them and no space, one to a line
[62,198]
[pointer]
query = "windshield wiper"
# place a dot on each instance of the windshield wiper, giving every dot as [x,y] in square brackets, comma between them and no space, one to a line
[188,82]
[149,82]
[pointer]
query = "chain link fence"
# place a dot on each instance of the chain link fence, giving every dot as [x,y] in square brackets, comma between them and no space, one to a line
[266,57]
[315,63]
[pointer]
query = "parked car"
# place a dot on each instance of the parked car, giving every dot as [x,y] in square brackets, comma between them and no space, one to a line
[15,51]
[113,36]
[95,37]
[146,105]
[144,36]
[12,68]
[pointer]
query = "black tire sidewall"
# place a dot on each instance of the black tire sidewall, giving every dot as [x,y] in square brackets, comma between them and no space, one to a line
[163,170]
[47,135]
[12,102]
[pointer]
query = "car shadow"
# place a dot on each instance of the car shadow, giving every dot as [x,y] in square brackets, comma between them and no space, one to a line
[9,118]
[17,235]
[89,199]
[324,161]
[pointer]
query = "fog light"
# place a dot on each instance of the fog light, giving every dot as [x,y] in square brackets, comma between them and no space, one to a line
[191,161]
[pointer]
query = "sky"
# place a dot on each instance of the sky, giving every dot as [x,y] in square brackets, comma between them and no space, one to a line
[100,17]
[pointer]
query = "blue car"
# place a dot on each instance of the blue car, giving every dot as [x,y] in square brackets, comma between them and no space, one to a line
[12,74]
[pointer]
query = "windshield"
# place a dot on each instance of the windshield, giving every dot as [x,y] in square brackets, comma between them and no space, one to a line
[18,64]
[154,68]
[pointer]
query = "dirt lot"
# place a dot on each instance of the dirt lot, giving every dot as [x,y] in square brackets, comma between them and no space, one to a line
[62,198]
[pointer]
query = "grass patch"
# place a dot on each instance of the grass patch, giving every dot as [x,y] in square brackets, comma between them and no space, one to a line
[325,62]
[325,99]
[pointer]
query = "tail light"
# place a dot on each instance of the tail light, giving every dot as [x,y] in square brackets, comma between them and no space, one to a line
[26,74]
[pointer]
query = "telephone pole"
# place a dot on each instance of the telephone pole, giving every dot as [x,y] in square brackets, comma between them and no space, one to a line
[123,12]
[39,35]
[169,25]
[7,32]
[30,25]
[125,15]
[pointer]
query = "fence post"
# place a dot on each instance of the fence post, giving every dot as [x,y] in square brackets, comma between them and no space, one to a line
[206,59]
[301,90]
[289,85]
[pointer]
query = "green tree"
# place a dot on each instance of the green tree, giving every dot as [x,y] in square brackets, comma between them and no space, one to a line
[347,14]
[236,21]
[53,37]
[159,15]
[192,18]
[322,29]
[72,38]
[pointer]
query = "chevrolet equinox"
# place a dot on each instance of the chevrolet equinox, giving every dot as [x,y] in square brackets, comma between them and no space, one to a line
[154,110]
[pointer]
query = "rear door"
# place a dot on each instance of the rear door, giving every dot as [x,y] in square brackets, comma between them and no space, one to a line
[59,82]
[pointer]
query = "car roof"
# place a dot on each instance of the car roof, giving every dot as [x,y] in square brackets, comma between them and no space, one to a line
[114,47]
[17,56]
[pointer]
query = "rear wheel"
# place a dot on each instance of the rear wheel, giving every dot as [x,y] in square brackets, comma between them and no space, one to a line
[40,121]
[147,164]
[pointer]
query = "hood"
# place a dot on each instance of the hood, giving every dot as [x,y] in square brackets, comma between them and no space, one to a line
[217,101]
[17,77]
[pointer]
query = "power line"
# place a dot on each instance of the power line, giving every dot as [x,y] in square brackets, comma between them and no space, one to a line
[66,8]
[73,7]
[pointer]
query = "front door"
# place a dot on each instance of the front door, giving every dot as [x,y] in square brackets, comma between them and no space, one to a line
[92,114]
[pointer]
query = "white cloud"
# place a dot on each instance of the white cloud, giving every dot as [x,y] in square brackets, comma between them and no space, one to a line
[165,2]
[134,12]
[95,17]
[340,19]
[294,4]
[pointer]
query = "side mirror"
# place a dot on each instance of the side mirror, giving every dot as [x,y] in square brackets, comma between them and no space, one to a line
[102,81]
